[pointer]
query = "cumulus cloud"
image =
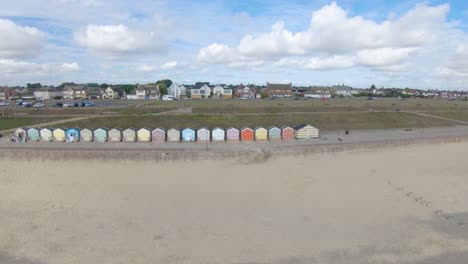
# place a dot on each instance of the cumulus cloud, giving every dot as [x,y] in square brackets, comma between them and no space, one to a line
[20,42]
[118,40]
[70,67]
[146,68]
[334,40]
[457,65]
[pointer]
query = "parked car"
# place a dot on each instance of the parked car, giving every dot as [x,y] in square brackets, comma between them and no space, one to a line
[88,104]
[39,105]
[68,104]
[27,104]
[58,104]
[168,98]
[4,103]
[19,102]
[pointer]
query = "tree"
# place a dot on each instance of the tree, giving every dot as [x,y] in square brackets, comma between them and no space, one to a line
[33,86]
[128,88]
[164,85]
[372,87]
[104,86]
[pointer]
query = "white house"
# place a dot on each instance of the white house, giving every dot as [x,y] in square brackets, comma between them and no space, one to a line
[177,91]
[74,92]
[109,93]
[202,92]
[47,93]
[218,91]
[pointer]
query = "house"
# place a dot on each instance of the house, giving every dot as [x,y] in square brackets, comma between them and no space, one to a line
[115,135]
[200,93]
[232,134]
[218,134]
[59,134]
[109,93]
[159,135]
[21,134]
[132,95]
[177,91]
[33,134]
[203,134]
[173,135]
[319,92]
[305,131]
[147,91]
[218,91]
[274,133]
[244,92]
[86,135]
[261,133]
[94,92]
[346,91]
[7,93]
[188,135]
[287,133]
[47,93]
[46,134]
[247,134]
[74,92]
[227,93]
[129,135]
[72,135]
[144,135]
[279,90]
[101,135]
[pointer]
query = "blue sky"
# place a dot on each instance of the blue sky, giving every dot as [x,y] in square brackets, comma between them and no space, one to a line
[356,42]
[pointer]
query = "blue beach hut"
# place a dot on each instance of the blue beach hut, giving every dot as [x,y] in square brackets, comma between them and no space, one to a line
[188,135]
[73,135]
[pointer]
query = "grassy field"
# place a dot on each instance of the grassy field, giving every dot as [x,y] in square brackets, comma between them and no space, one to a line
[93,111]
[324,121]
[13,122]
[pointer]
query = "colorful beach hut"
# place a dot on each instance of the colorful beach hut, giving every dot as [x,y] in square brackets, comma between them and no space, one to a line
[72,135]
[33,134]
[21,134]
[305,131]
[86,135]
[247,134]
[159,135]
[59,134]
[203,134]
[129,135]
[261,133]
[101,135]
[46,134]
[144,135]
[287,133]
[274,133]
[188,135]
[115,135]
[173,135]
[218,134]
[232,134]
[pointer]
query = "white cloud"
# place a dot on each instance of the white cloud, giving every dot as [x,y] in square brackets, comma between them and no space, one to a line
[118,40]
[335,40]
[169,65]
[146,68]
[8,66]
[457,65]
[18,41]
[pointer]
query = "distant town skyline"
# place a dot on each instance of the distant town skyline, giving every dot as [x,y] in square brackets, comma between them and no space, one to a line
[417,44]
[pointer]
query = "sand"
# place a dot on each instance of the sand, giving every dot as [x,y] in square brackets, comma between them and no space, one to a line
[401,205]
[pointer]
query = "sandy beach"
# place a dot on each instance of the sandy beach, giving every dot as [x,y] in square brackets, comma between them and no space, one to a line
[400,205]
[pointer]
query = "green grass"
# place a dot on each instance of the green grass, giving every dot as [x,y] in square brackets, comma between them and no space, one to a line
[324,121]
[13,122]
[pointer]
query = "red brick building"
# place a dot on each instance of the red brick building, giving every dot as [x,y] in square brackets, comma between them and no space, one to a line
[279,90]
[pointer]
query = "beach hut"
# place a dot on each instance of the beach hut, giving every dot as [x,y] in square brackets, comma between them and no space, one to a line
[59,134]
[33,134]
[115,135]
[261,133]
[173,135]
[274,133]
[159,135]
[232,134]
[218,134]
[46,134]
[21,134]
[101,135]
[129,135]
[72,135]
[188,135]
[86,135]
[144,135]
[305,131]
[203,134]
[246,134]
[287,133]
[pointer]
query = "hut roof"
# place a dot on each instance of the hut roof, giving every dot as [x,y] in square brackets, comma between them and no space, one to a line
[301,126]
[159,128]
[273,127]
[231,128]
[244,128]
[284,127]
[259,127]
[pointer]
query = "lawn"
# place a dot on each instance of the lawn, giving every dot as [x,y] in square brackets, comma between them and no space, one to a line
[324,121]
[13,122]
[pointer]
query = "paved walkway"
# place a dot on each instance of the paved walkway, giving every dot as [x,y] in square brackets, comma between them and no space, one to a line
[438,117]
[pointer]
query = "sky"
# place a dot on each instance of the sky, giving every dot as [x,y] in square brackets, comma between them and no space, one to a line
[417,44]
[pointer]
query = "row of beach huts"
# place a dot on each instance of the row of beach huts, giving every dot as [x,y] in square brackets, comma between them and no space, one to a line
[303,131]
